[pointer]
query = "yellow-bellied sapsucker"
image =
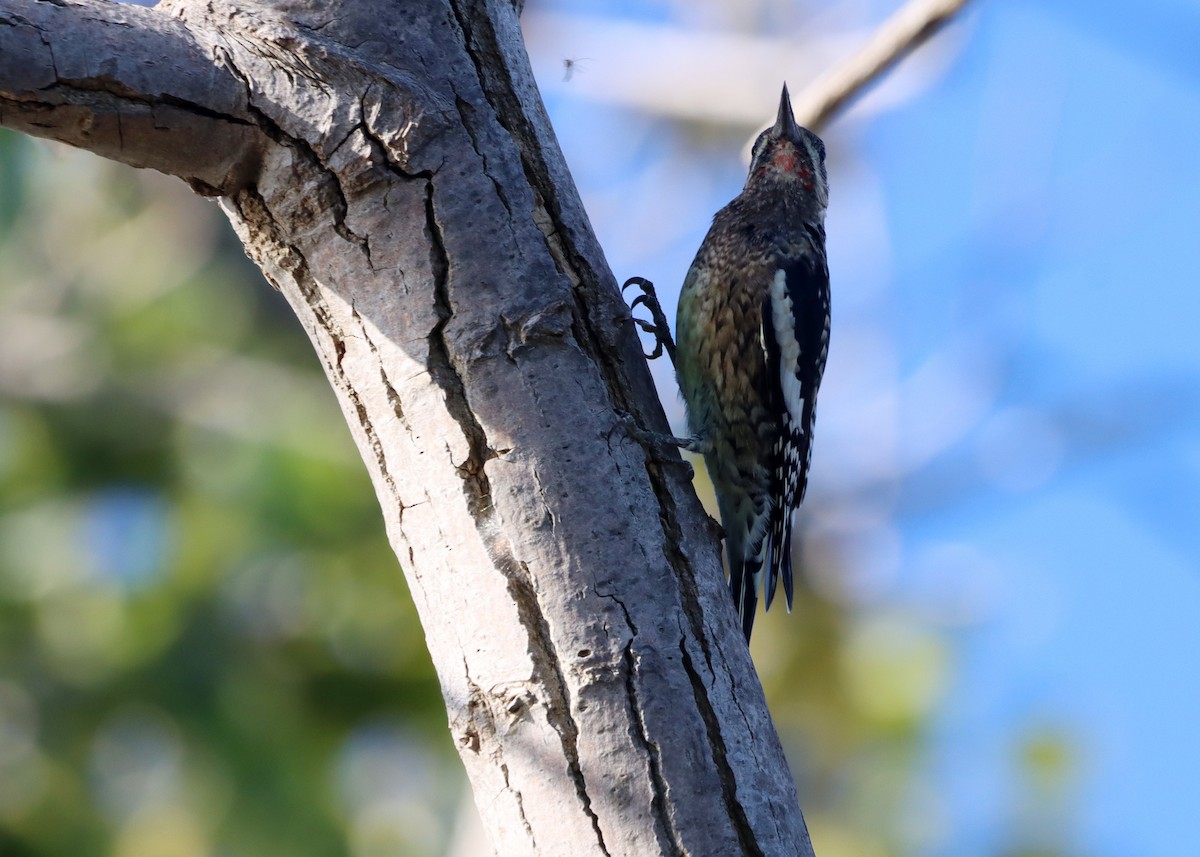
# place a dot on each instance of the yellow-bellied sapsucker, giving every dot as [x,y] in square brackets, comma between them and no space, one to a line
[752,336]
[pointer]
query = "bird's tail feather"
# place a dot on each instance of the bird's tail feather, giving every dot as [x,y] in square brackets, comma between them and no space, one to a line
[745,579]
[779,556]
[743,585]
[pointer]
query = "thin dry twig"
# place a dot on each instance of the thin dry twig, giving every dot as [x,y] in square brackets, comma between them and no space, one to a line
[895,38]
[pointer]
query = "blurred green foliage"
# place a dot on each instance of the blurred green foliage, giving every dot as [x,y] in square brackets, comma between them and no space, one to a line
[206,645]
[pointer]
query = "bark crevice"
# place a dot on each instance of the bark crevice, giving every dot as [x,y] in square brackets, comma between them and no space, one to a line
[737,814]
[254,213]
[477,489]
[668,837]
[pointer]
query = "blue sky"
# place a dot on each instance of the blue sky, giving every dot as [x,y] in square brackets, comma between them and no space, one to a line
[1014,368]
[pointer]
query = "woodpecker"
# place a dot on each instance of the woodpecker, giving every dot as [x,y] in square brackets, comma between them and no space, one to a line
[752,337]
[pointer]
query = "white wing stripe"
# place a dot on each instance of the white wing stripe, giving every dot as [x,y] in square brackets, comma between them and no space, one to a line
[784,324]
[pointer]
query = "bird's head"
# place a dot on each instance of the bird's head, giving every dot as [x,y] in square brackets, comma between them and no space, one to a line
[789,158]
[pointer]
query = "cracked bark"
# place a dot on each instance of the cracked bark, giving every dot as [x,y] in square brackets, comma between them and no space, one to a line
[391,169]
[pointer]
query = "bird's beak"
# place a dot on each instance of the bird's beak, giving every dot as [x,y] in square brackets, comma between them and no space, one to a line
[785,123]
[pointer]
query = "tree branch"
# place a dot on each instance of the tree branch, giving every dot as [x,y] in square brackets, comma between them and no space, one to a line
[128,83]
[896,38]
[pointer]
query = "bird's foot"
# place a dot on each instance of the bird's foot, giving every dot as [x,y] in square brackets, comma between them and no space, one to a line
[627,423]
[658,325]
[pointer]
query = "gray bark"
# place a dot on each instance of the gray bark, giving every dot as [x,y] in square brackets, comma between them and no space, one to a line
[392,170]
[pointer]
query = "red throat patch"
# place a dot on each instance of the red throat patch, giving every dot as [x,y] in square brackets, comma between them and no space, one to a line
[785,161]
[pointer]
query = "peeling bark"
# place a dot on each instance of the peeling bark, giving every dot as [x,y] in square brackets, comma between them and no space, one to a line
[391,169]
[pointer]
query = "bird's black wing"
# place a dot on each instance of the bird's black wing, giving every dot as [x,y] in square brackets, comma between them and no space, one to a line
[796,338]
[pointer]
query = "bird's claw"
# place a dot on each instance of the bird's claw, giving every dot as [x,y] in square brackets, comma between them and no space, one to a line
[658,325]
[654,442]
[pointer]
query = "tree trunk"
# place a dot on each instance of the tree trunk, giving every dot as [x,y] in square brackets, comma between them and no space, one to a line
[392,170]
